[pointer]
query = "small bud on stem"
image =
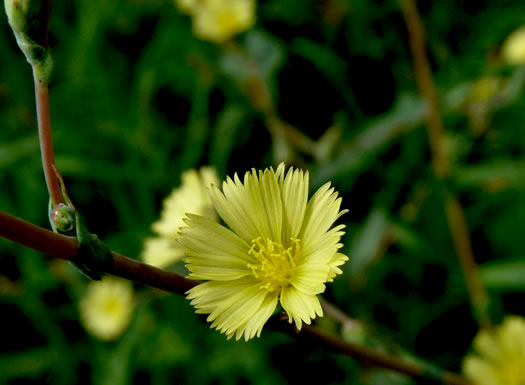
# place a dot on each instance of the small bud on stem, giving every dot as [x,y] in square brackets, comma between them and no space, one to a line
[62,218]
[28,20]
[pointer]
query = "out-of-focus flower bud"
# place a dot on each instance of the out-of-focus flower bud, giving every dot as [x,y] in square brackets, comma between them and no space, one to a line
[513,50]
[107,307]
[219,20]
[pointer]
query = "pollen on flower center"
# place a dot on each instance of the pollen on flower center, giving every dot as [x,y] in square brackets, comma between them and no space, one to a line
[276,265]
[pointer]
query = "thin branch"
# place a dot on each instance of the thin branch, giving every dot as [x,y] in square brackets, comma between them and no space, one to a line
[425,83]
[64,247]
[441,163]
[46,142]
[459,230]
[261,99]
[43,113]
[336,314]
[365,354]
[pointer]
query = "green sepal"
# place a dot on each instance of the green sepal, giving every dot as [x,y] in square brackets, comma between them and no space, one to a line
[93,257]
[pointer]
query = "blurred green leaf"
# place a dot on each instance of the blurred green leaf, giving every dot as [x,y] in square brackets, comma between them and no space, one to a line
[504,274]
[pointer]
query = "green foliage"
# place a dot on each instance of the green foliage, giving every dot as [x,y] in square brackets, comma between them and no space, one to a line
[136,100]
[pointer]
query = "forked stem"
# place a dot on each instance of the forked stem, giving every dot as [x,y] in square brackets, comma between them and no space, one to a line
[64,247]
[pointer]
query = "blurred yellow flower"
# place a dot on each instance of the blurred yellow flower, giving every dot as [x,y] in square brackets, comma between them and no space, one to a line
[513,50]
[280,249]
[485,88]
[187,5]
[219,20]
[106,307]
[190,197]
[500,355]
[486,93]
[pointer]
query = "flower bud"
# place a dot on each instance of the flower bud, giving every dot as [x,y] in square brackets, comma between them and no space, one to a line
[28,19]
[23,14]
[62,218]
[513,50]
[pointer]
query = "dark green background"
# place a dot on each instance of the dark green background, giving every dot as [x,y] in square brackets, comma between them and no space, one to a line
[136,100]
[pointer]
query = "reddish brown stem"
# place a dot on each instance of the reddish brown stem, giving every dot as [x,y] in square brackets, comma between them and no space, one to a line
[64,247]
[364,354]
[46,143]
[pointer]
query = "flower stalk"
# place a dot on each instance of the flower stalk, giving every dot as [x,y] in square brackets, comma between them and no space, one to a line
[46,143]
[65,247]
[29,20]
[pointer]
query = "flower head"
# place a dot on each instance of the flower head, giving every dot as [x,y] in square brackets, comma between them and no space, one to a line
[190,197]
[219,20]
[500,358]
[279,248]
[513,50]
[107,307]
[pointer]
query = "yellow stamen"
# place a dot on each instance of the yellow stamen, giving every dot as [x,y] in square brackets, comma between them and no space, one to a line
[276,263]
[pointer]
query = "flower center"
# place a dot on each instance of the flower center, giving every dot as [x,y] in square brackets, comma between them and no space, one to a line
[276,263]
[112,306]
[227,21]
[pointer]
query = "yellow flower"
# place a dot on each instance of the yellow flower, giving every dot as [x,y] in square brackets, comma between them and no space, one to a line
[187,6]
[513,50]
[219,20]
[190,197]
[280,249]
[107,307]
[500,358]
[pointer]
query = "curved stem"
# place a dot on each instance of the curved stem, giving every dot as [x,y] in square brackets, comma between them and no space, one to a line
[64,247]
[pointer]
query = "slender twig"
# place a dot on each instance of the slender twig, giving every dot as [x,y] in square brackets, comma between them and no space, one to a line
[46,142]
[292,135]
[459,230]
[425,83]
[441,162]
[65,247]
[256,89]
[365,354]
[336,314]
